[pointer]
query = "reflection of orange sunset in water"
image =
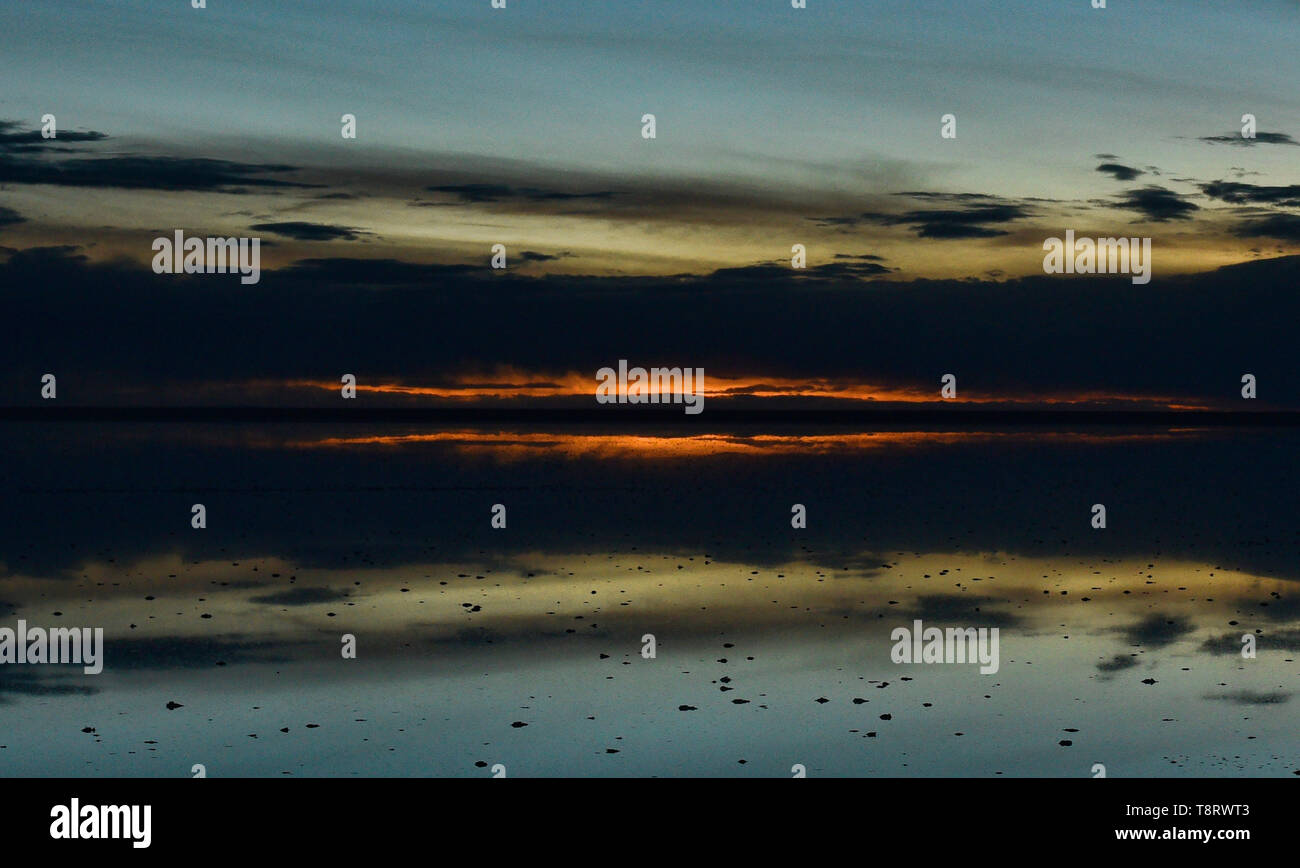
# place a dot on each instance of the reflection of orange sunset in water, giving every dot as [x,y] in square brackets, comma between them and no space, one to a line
[511,445]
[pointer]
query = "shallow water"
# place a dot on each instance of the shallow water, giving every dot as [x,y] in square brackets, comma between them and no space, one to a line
[1119,646]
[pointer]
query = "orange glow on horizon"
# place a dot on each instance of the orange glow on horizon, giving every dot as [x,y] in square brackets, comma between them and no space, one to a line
[513,384]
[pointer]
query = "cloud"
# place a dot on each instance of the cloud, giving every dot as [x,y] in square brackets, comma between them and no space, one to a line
[1158,204]
[830,271]
[303,231]
[343,271]
[14,140]
[851,323]
[10,217]
[969,220]
[1284,227]
[534,256]
[146,173]
[478,193]
[1121,172]
[1259,139]
[1238,193]
[130,172]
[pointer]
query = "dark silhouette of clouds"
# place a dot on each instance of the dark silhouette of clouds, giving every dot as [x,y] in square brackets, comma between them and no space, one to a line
[132,172]
[15,140]
[970,219]
[147,173]
[1259,139]
[828,271]
[1158,204]
[1283,227]
[479,193]
[1239,193]
[304,231]
[1037,334]
[1119,171]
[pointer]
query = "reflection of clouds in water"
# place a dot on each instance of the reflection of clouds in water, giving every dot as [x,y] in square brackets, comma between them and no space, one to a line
[43,681]
[1250,697]
[188,652]
[301,597]
[1157,631]
[1265,640]
[1118,663]
[968,610]
[462,630]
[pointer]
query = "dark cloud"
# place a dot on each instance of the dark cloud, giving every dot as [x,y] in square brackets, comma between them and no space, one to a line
[146,173]
[1239,193]
[15,140]
[534,256]
[1158,204]
[1283,227]
[131,172]
[1120,172]
[345,271]
[477,193]
[969,220]
[303,231]
[10,217]
[1178,335]
[1260,139]
[830,271]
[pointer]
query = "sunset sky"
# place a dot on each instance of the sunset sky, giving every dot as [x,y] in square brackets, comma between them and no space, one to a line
[775,126]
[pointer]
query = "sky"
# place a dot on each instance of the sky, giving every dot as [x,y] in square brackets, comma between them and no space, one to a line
[774,127]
